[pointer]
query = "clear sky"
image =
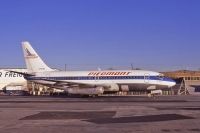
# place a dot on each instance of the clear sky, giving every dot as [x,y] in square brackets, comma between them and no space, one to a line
[86,34]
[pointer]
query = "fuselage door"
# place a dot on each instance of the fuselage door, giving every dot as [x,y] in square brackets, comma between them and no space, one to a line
[96,78]
[146,78]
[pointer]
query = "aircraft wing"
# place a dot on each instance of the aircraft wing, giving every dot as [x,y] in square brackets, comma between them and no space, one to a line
[57,84]
[68,83]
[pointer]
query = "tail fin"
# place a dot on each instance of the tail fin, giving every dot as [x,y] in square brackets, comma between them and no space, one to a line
[33,62]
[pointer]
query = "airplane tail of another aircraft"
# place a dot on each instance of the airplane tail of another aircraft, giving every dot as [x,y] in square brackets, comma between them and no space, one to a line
[33,61]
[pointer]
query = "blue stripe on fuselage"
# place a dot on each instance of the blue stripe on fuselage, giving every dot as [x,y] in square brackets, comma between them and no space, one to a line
[103,78]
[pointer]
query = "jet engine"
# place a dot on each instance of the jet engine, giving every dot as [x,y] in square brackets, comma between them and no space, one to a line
[112,88]
[124,88]
[86,91]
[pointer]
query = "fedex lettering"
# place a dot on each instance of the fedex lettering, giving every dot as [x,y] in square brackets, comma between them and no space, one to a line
[108,73]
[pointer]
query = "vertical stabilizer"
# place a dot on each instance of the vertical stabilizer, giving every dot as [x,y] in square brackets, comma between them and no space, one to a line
[33,61]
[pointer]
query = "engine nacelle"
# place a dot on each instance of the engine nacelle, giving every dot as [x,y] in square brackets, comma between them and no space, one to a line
[86,91]
[151,88]
[112,87]
[156,92]
[124,88]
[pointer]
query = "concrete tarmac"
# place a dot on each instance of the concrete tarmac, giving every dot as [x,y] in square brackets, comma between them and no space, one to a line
[164,114]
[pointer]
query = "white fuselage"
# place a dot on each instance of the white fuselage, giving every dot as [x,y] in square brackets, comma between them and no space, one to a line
[90,82]
[136,78]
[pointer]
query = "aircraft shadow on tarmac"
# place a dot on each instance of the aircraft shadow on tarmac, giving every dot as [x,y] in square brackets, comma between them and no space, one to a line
[70,115]
[104,117]
[137,119]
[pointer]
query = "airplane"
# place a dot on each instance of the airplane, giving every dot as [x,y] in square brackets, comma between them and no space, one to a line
[11,79]
[90,83]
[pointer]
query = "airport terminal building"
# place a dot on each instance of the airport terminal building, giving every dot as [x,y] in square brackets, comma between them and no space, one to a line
[189,80]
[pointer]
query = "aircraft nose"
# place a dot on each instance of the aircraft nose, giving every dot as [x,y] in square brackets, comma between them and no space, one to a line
[172,83]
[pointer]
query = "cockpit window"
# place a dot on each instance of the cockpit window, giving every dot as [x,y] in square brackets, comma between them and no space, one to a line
[161,76]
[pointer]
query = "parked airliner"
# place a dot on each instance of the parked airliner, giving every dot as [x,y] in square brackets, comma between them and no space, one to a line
[91,82]
[11,79]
